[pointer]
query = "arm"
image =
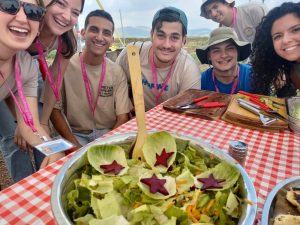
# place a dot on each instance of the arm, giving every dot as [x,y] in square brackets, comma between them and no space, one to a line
[26,131]
[62,127]
[49,98]
[29,136]
[123,118]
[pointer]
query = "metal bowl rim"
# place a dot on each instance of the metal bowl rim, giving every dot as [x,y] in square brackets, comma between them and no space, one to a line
[271,195]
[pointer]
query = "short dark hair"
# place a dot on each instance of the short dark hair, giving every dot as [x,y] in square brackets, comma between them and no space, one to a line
[99,13]
[170,14]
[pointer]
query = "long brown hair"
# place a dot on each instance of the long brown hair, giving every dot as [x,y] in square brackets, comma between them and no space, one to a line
[68,38]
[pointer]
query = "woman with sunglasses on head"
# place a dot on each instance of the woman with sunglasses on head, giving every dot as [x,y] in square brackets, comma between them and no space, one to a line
[55,33]
[19,22]
[276,52]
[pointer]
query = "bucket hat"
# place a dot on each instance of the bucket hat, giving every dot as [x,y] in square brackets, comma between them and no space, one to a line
[206,2]
[220,35]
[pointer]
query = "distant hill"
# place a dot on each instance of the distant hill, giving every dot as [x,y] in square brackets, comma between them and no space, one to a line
[143,32]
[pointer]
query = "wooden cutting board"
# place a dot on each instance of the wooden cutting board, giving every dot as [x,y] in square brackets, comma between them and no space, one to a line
[242,117]
[204,113]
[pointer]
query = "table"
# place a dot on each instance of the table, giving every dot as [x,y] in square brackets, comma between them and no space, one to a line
[272,157]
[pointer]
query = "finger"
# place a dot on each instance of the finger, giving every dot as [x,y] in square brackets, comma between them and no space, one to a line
[45,162]
[23,143]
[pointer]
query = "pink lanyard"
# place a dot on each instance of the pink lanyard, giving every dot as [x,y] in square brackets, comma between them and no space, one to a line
[54,86]
[154,76]
[233,25]
[234,85]
[87,85]
[23,104]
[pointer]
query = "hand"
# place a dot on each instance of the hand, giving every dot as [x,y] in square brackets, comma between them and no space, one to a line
[52,158]
[20,141]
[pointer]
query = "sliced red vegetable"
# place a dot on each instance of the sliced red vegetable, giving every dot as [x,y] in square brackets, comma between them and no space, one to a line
[162,159]
[114,168]
[210,182]
[155,184]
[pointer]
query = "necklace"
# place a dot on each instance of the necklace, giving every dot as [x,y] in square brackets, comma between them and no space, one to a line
[46,48]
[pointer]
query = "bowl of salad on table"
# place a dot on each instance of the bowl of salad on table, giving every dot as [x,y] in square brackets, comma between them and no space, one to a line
[180,180]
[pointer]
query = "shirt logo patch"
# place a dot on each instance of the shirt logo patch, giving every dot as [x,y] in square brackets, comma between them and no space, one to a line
[151,85]
[106,91]
[249,31]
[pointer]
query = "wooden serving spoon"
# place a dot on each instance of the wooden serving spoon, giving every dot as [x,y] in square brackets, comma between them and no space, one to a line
[138,98]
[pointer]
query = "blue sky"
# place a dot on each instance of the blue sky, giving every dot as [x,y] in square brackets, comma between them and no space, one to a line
[140,12]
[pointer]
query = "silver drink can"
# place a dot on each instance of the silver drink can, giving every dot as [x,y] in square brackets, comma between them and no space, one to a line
[238,150]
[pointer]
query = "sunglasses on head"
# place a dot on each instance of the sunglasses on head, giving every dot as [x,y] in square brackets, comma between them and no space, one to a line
[32,11]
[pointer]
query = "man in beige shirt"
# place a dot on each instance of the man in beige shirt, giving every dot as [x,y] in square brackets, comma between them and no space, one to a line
[94,91]
[243,19]
[167,69]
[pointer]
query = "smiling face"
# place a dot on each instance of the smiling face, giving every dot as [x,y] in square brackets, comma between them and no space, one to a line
[62,15]
[167,42]
[219,12]
[223,56]
[98,36]
[286,37]
[17,31]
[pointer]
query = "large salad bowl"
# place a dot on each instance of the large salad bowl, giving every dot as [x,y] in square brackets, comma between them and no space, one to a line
[64,180]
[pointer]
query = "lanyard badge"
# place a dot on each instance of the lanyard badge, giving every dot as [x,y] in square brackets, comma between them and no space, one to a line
[54,146]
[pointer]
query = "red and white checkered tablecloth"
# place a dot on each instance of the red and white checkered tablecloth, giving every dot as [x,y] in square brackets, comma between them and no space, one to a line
[272,157]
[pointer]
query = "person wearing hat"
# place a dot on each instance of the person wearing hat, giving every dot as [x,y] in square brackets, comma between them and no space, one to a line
[167,69]
[243,19]
[223,52]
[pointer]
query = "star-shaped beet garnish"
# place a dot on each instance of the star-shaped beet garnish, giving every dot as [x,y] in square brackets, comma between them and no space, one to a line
[114,168]
[210,182]
[155,184]
[162,159]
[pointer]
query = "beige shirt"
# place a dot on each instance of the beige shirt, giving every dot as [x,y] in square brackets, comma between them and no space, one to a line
[29,74]
[248,18]
[113,99]
[185,75]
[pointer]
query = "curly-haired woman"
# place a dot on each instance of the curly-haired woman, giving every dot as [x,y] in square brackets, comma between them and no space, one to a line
[276,52]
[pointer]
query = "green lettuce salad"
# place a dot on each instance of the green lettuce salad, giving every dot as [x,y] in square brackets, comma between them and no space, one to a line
[177,183]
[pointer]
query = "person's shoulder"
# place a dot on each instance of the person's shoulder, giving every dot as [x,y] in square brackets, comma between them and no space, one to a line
[186,57]
[252,7]
[24,55]
[25,59]
[114,67]
[245,69]
[74,60]
[245,65]
[206,73]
